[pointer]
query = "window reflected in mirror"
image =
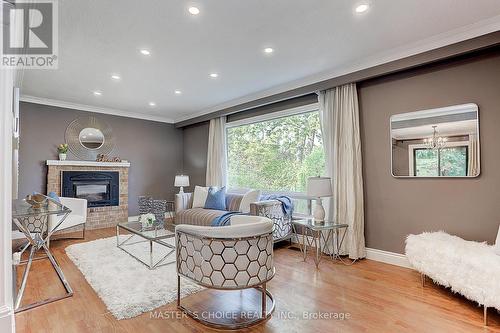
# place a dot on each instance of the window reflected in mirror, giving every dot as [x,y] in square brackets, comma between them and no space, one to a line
[441,142]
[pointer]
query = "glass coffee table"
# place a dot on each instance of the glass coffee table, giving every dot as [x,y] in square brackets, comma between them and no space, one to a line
[151,246]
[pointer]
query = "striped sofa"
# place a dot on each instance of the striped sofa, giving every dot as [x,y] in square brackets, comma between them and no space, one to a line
[272,209]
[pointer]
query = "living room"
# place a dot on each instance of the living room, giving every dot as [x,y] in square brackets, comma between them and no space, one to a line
[202,166]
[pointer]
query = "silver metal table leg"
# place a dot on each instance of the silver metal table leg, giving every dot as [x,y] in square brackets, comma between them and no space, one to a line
[58,270]
[25,278]
[150,254]
[264,300]
[485,316]
[178,290]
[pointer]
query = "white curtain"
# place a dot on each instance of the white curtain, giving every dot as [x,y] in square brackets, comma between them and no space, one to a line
[216,157]
[474,164]
[339,117]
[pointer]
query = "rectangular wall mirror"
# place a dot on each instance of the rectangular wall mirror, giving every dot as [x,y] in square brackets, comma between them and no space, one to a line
[441,142]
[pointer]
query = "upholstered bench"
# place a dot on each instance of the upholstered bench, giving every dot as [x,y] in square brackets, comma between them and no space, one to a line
[471,269]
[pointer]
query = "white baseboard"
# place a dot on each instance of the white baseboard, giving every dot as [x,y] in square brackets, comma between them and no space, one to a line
[387,257]
[6,319]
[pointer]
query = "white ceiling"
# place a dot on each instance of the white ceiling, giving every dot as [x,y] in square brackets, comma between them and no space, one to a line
[313,40]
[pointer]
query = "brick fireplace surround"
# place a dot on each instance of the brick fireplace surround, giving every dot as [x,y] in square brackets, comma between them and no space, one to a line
[97,217]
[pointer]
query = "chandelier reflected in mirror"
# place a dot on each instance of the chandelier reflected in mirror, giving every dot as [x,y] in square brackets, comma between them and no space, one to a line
[435,142]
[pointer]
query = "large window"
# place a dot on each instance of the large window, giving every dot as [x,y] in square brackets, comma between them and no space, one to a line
[275,155]
[449,161]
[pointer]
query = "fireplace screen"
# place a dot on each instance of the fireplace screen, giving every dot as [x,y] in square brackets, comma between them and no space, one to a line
[99,188]
[92,192]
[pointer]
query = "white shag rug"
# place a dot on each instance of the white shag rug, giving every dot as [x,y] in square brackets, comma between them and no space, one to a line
[126,286]
[469,268]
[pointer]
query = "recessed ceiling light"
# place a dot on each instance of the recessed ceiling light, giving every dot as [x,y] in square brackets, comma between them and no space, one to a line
[214,75]
[97,93]
[178,92]
[145,52]
[152,104]
[194,10]
[268,50]
[361,8]
[116,77]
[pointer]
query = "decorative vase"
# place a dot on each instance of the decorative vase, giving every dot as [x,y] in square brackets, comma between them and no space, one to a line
[62,157]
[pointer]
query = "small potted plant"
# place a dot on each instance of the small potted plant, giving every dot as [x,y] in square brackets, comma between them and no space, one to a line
[147,220]
[62,149]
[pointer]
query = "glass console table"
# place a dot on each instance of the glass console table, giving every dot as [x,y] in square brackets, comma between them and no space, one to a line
[33,223]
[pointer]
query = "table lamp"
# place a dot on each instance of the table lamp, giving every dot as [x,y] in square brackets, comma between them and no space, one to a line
[319,187]
[181,181]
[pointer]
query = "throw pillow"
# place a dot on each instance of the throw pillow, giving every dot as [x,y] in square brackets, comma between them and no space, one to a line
[249,197]
[216,199]
[497,243]
[54,196]
[200,196]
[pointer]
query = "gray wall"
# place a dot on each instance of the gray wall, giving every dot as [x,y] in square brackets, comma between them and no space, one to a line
[394,207]
[195,153]
[154,150]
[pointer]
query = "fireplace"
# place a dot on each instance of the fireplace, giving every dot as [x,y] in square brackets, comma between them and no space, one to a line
[100,188]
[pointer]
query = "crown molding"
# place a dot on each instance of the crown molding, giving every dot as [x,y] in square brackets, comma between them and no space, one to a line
[441,40]
[91,108]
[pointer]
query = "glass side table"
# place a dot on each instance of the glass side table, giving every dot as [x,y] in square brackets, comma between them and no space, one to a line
[33,223]
[319,235]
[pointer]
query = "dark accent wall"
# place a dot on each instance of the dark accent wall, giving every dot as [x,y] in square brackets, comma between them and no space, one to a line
[394,207]
[195,153]
[154,150]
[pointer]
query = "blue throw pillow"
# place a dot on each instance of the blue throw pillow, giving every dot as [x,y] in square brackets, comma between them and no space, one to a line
[216,199]
[54,196]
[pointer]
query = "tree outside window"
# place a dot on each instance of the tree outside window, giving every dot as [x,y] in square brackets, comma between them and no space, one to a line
[276,155]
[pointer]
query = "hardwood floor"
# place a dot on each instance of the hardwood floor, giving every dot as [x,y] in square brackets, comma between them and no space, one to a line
[374,297]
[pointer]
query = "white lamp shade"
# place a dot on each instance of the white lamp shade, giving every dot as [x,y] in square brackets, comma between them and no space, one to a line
[319,187]
[181,180]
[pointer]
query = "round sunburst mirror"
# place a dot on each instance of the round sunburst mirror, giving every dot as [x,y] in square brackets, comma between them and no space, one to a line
[91,138]
[88,137]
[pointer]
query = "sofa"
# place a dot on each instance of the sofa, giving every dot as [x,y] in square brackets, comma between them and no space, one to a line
[272,209]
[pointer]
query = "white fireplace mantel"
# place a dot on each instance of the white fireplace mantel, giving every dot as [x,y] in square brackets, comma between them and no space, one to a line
[89,163]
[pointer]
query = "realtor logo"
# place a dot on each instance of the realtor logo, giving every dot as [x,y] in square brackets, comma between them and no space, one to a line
[30,37]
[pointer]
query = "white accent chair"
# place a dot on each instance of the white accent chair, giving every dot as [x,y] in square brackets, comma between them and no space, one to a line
[234,257]
[78,216]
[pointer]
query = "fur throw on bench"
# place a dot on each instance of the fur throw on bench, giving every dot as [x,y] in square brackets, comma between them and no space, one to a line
[471,269]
